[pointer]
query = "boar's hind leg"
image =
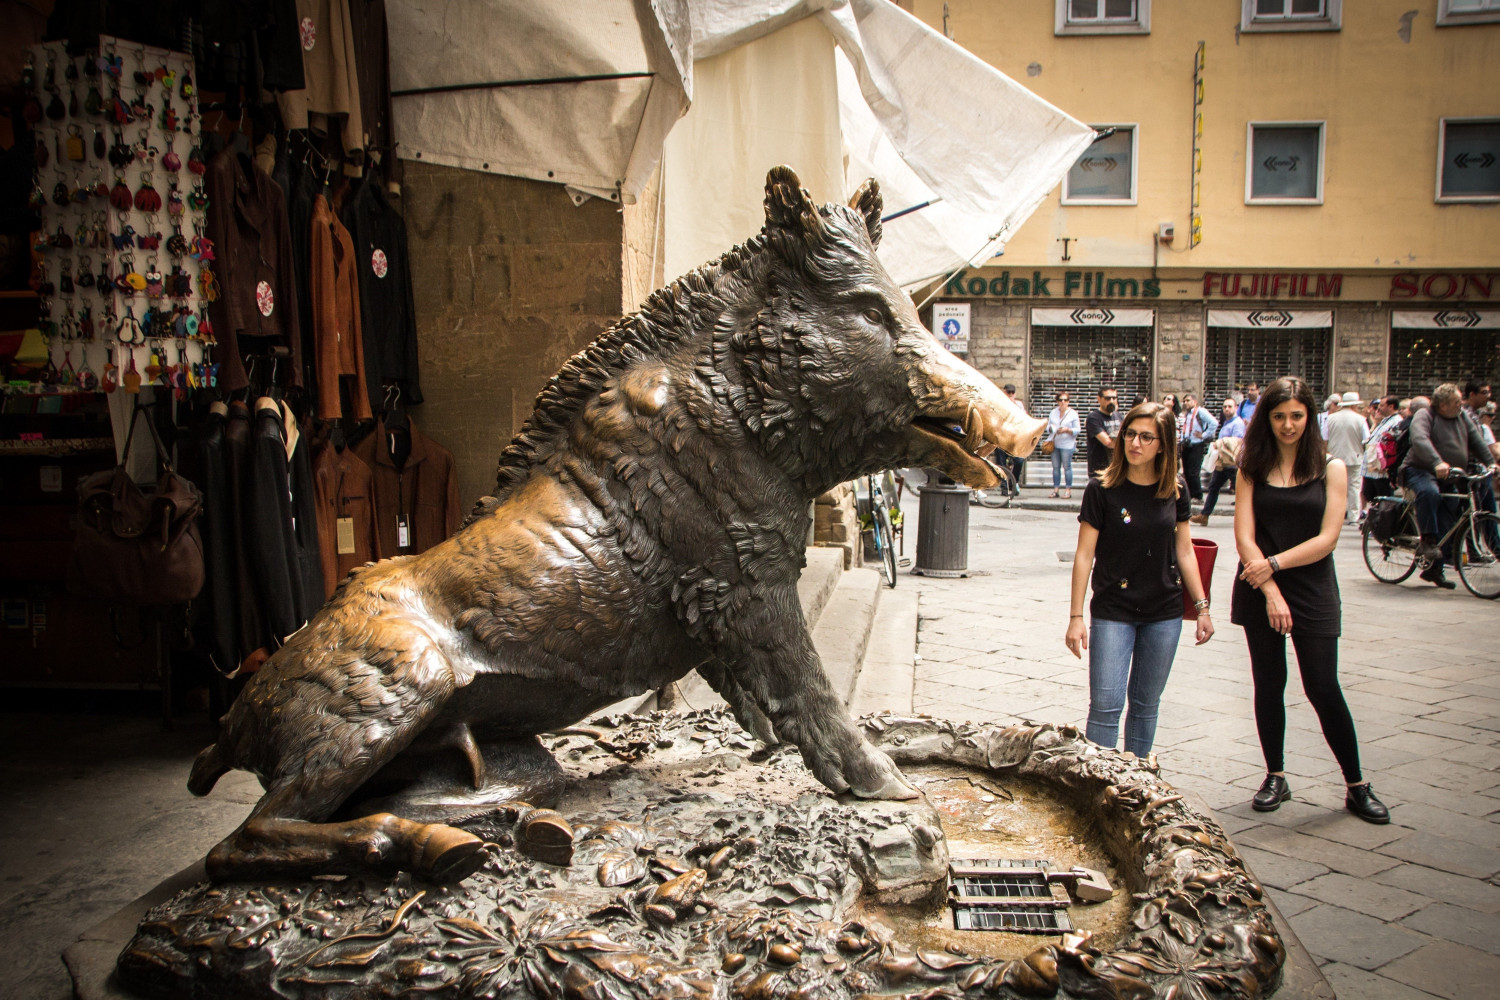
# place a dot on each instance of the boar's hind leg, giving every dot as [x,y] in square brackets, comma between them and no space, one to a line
[771,656]
[273,844]
[277,840]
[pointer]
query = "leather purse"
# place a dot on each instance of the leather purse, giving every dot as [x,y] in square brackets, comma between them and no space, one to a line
[138,545]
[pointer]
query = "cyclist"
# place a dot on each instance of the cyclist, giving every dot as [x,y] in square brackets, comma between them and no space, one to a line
[1442,440]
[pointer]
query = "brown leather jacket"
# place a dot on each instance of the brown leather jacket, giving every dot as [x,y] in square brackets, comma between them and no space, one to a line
[343,487]
[424,488]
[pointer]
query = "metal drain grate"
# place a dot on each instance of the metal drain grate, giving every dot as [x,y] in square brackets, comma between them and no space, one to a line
[1020,919]
[996,894]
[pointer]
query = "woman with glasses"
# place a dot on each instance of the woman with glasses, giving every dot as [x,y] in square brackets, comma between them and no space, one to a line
[1133,540]
[1288,510]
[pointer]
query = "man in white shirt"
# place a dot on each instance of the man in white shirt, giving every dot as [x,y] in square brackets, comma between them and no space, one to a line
[1347,433]
[1376,480]
[1198,427]
[1226,456]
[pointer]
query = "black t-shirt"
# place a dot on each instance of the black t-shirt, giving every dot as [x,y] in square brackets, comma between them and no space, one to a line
[1098,454]
[1135,562]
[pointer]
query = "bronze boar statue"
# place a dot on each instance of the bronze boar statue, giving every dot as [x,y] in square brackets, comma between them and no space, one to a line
[650,518]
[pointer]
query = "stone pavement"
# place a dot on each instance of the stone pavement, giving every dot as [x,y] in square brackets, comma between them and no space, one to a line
[1401,911]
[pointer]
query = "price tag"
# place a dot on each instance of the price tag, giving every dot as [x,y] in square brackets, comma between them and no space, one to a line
[403,532]
[346,536]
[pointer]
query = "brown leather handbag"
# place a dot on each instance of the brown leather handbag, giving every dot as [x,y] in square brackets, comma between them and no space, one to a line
[138,545]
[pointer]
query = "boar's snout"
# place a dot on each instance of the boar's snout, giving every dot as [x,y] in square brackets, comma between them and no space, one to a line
[963,416]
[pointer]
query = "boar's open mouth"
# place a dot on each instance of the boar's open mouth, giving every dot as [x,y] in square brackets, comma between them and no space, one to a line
[952,430]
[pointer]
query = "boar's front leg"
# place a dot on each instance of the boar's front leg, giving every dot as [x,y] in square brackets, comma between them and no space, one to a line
[770,654]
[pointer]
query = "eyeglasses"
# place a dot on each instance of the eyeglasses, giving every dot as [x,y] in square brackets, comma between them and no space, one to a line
[1144,437]
[1109,399]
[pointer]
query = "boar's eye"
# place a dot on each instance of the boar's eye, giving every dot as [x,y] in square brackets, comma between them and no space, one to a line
[875,316]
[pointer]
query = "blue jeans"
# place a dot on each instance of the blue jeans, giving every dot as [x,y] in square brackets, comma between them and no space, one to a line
[1129,659]
[1062,462]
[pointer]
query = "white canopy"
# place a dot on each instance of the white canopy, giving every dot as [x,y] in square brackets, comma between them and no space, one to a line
[586,95]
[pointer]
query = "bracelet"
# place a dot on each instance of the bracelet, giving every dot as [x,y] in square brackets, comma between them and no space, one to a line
[1201,605]
[1071,617]
[1275,566]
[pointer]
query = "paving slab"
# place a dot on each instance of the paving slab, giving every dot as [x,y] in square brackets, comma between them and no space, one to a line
[1342,935]
[1384,902]
[1450,855]
[1357,984]
[1458,923]
[1446,969]
[1337,857]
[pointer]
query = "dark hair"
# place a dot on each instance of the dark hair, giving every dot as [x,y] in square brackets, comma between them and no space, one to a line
[1166,459]
[1260,454]
[1176,406]
[1394,402]
[1474,385]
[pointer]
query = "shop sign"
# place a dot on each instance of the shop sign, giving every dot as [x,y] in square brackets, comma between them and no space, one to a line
[1271,319]
[1442,285]
[950,323]
[1093,316]
[1446,319]
[1083,284]
[1276,285]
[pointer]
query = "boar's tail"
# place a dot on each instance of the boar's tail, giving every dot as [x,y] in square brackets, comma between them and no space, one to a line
[208,768]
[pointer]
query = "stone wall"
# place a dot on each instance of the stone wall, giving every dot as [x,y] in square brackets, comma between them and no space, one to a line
[1360,349]
[836,524]
[997,342]
[1180,339]
[510,279]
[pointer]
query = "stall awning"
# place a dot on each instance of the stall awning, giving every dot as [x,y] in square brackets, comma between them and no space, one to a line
[586,94]
[1092,316]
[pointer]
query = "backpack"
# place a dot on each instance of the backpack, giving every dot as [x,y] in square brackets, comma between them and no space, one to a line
[1400,445]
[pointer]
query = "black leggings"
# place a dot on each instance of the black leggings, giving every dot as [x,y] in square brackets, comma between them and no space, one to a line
[1318,662]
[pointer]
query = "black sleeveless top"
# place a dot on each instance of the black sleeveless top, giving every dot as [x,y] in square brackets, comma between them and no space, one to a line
[1284,517]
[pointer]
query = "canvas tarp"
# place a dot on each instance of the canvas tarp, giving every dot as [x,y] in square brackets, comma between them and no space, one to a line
[589,94]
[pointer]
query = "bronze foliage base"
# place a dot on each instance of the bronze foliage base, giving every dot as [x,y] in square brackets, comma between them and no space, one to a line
[688,882]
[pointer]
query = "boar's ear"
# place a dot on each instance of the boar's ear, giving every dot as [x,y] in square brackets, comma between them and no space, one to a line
[788,205]
[867,202]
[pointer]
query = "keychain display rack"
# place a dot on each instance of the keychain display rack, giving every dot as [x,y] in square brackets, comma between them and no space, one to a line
[122,263]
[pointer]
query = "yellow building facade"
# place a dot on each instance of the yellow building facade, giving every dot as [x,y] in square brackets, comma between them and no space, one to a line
[1293,186]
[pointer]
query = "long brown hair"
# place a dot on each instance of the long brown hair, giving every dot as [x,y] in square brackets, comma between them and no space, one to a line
[1165,422]
[1260,454]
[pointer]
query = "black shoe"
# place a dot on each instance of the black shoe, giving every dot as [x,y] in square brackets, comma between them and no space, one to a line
[1429,551]
[1434,575]
[1273,792]
[1361,801]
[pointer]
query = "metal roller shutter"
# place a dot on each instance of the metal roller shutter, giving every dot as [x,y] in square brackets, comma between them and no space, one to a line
[1234,357]
[1421,360]
[1085,359]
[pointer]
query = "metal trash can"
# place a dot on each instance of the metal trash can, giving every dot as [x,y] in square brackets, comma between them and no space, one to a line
[943,532]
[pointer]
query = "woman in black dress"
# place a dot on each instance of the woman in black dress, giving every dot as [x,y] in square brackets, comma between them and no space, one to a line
[1288,509]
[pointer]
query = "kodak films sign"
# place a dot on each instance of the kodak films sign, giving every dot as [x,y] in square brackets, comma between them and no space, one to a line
[1055,283]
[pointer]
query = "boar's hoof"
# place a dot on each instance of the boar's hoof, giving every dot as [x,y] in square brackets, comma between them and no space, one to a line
[446,853]
[883,780]
[545,836]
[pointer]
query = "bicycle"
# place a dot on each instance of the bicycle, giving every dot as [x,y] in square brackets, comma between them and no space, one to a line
[1002,493]
[1474,540]
[884,521]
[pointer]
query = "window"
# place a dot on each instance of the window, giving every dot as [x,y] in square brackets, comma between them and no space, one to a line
[1285,163]
[1105,173]
[1452,13]
[1469,159]
[1103,17]
[1291,15]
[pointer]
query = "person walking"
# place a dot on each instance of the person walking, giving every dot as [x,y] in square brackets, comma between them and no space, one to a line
[1347,433]
[1062,432]
[1134,543]
[1226,457]
[1198,428]
[1380,450]
[1101,427]
[1288,511]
